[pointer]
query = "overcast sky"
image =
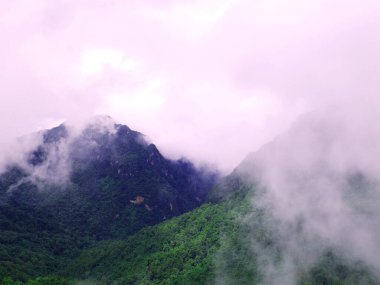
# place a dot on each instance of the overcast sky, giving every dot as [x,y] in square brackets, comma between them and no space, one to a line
[210,80]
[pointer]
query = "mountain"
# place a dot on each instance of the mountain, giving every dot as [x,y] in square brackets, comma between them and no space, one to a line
[314,194]
[288,214]
[77,187]
[208,245]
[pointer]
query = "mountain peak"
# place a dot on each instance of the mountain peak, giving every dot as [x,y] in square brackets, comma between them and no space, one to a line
[102,120]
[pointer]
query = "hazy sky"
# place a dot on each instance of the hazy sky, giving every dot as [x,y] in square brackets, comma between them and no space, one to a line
[211,80]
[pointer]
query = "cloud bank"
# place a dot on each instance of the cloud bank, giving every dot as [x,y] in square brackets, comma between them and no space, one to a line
[321,191]
[211,80]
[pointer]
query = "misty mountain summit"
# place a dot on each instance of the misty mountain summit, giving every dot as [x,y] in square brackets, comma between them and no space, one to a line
[100,204]
[103,181]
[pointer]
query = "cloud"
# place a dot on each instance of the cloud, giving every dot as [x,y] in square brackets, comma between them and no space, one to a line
[95,61]
[46,157]
[210,80]
[321,190]
[213,80]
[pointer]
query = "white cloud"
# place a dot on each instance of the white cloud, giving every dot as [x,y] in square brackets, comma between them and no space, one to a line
[139,103]
[191,19]
[94,61]
[246,68]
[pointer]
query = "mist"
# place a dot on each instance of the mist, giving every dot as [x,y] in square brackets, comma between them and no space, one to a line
[295,83]
[320,190]
[46,156]
[209,80]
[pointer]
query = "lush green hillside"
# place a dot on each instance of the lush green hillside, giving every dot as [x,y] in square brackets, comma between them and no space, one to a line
[179,251]
[119,182]
[127,215]
[74,190]
[209,245]
[188,249]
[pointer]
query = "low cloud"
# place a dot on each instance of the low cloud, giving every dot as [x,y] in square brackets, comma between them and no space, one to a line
[209,80]
[214,80]
[321,191]
[46,157]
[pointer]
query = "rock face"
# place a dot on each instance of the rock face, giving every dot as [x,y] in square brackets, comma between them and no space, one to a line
[82,180]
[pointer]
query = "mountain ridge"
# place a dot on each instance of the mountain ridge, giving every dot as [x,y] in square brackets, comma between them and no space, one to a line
[103,182]
[129,216]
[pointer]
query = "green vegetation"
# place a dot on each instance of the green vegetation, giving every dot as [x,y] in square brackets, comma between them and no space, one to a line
[198,247]
[47,280]
[334,270]
[131,217]
[184,250]
[44,225]
[179,251]
[204,246]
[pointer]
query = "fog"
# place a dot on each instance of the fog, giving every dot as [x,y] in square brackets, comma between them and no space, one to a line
[46,156]
[213,81]
[321,191]
[210,80]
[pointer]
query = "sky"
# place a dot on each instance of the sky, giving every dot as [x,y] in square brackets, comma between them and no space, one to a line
[209,80]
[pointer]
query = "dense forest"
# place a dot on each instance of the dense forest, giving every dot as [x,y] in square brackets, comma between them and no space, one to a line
[127,215]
